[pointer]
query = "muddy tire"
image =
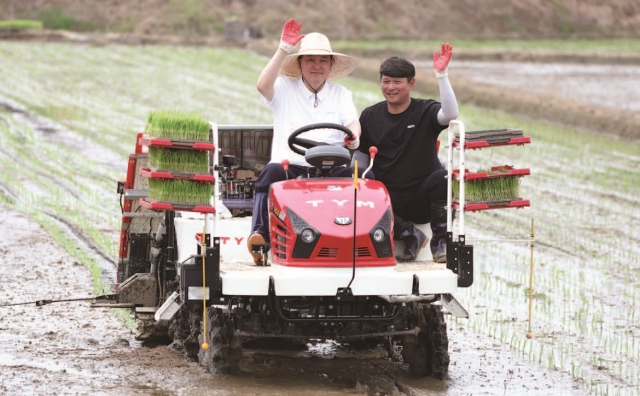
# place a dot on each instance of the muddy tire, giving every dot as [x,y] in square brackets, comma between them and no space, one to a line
[225,348]
[184,330]
[428,352]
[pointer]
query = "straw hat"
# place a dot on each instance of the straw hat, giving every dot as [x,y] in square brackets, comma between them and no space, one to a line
[318,44]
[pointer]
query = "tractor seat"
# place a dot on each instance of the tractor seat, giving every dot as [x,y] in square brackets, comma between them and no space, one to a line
[327,157]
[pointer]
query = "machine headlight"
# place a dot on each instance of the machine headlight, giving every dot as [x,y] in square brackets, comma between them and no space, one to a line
[379,235]
[308,235]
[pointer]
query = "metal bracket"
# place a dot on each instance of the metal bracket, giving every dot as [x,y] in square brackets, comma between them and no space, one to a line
[449,302]
[345,294]
[460,259]
[169,308]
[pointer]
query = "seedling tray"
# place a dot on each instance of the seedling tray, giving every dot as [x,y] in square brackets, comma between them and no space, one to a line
[176,143]
[176,206]
[502,171]
[486,205]
[493,137]
[167,174]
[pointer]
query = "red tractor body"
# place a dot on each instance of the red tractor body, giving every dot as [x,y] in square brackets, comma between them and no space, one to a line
[313,222]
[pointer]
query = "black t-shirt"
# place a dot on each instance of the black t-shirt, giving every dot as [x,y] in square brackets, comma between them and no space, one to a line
[406,142]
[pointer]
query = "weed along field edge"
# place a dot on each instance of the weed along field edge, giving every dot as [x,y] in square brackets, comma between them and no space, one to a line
[69,115]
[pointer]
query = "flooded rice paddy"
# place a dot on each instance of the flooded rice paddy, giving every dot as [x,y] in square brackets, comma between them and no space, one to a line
[68,118]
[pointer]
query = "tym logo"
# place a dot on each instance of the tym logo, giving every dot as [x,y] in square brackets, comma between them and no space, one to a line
[231,240]
[341,203]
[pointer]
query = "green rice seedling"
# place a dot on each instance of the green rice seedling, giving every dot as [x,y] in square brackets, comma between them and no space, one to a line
[489,189]
[179,160]
[182,191]
[177,125]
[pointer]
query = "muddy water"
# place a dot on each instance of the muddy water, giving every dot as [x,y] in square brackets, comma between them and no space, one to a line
[69,348]
[607,85]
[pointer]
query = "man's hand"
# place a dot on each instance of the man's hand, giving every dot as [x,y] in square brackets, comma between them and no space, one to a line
[352,144]
[440,63]
[290,35]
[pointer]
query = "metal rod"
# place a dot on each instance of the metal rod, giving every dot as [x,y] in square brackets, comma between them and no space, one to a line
[45,302]
[216,186]
[147,215]
[449,176]
[498,240]
[461,200]
[461,131]
[413,331]
[530,333]
[355,213]
[203,245]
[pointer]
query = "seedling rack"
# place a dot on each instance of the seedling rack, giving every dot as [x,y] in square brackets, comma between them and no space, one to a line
[146,202]
[176,143]
[499,171]
[496,172]
[177,206]
[499,204]
[168,174]
[489,138]
[460,255]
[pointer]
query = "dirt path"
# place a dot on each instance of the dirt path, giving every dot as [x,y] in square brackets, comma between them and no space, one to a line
[64,348]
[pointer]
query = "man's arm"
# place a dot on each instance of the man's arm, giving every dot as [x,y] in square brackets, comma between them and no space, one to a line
[290,38]
[449,109]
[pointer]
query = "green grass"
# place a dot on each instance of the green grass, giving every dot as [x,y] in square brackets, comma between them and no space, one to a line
[20,24]
[56,19]
[179,160]
[183,191]
[177,125]
[612,46]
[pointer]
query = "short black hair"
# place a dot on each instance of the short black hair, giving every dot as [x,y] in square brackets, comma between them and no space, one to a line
[398,68]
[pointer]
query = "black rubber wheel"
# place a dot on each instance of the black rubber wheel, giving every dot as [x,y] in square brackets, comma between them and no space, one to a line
[225,347]
[184,329]
[428,352]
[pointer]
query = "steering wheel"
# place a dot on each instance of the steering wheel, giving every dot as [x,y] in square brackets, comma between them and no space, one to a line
[295,141]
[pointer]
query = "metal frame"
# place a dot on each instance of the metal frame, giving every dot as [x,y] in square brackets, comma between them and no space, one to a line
[459,254]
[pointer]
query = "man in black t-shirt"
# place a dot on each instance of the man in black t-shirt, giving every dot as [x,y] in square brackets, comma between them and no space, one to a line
[405,131]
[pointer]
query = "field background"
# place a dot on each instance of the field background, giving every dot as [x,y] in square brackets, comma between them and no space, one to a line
[345,19]
[69,114]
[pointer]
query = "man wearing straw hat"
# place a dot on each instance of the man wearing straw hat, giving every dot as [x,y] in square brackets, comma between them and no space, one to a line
[300,96]
[405,131]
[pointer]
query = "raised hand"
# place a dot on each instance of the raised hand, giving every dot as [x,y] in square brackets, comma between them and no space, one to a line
[441,62]
[290,35]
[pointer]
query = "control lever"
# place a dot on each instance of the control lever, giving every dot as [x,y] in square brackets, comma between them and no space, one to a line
[285,166]
[373,150]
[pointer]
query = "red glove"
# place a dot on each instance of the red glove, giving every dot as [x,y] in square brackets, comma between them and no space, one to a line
[440,63]
[351,144]
[290,35]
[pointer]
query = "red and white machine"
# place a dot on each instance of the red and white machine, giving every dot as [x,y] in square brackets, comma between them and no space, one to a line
[332,272]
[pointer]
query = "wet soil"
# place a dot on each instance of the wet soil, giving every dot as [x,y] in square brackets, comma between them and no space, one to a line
[70,348]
